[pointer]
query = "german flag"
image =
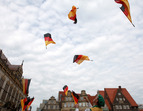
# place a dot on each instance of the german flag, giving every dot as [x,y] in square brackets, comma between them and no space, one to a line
[65,88]
[30,102]
[80,58]
[25,103]
[75,97]
[48,39]
[72,14]
[26,83]
[125,8]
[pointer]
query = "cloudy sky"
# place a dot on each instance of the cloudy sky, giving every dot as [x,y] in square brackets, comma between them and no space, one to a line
[102,32]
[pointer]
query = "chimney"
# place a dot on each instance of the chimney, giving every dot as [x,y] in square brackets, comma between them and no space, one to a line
[119,87]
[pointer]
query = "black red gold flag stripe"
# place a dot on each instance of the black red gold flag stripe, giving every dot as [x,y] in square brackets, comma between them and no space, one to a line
[80,58]
[30,102]
[75,97]
[65,88]
[25,103]
[125,8]
[48,39]
[26,83]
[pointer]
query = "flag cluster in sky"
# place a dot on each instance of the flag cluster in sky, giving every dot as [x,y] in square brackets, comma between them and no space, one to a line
[72,16]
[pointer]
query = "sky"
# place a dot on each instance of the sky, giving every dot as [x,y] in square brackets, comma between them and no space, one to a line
[103,33]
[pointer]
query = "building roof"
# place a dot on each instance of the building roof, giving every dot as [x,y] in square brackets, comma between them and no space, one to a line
[10,66]
[111,92]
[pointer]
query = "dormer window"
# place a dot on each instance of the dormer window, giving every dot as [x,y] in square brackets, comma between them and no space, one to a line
[119,94]
[116,99]
[81,98]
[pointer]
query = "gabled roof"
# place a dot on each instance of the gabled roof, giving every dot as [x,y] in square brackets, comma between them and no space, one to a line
[111,92]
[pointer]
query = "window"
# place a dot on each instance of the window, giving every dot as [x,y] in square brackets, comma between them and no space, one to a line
[1,82]
[6,87]
[66,98]
[70,98]
[83,104]
[79,104]
[119,94]
[124,106]
[65,105]
[72,104]
[68,104]
[116,99]
[120,99]
[123,99]
[51,107]
[81,98]
[120,106]
[117,107]
[127,106]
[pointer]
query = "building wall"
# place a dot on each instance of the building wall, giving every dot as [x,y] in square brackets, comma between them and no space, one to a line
[11,91]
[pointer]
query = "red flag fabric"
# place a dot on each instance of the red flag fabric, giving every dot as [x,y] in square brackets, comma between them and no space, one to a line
[26,83]
[25,103]
[48,39]
[72,14]
[125,8]
[65,88]
[80,58]
[75,97]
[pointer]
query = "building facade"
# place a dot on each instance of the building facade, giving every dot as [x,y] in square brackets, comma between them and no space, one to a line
[119,99]
[116,99]
[49,105]
[11,89]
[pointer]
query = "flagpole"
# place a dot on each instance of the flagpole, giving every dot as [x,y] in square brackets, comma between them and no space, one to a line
[132,24]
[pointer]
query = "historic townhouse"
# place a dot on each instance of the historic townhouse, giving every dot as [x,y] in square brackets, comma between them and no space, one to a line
[116,99]
[11,91]
[49,105]
[119,99]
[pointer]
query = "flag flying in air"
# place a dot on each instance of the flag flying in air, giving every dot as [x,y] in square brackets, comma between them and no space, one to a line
[26,83]
[25,103]
[72,14]
[125,8]
[65,88]
[30,102]
[75,97]
[80,58]
[48,39]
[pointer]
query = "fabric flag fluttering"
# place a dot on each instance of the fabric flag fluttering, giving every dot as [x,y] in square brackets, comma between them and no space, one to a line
[72,14]
[75,97]
[48,39]
[80,58]
[65,88]
[25,103]
[125,8]
[26,83]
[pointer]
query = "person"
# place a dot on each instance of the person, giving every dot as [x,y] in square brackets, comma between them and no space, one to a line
[99,102]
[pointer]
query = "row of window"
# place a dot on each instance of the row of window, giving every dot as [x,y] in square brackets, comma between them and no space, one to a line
[122,106]
[83,104]
[70,98]
[120,99]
